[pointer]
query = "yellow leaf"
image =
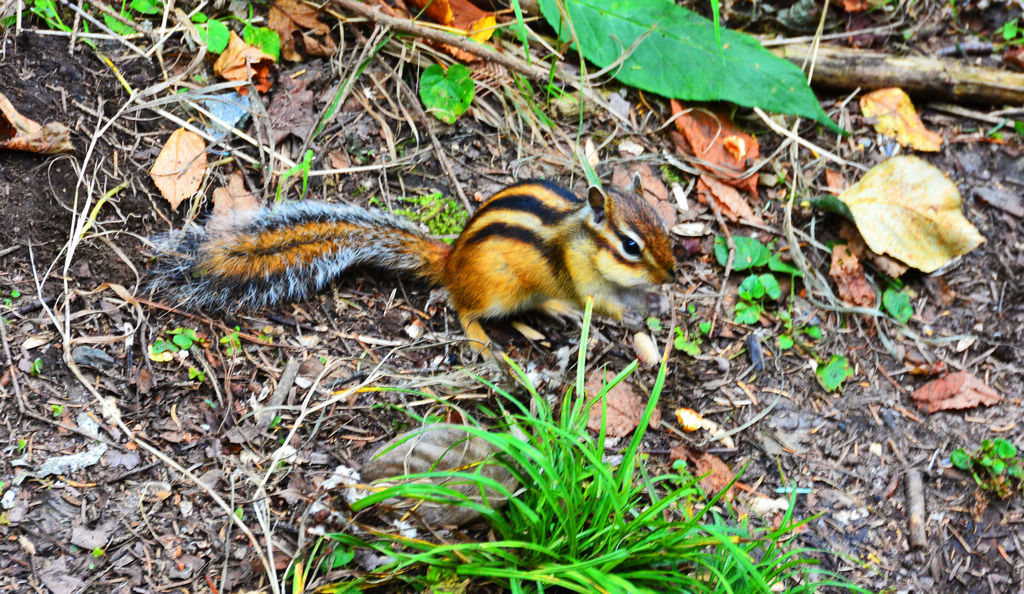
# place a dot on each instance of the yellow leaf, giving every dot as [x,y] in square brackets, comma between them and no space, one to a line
[482,29]
[896,117]
[163,357]
[908,209]
[179,168]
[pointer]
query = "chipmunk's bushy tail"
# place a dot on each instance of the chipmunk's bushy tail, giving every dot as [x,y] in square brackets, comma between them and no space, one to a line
[286,253]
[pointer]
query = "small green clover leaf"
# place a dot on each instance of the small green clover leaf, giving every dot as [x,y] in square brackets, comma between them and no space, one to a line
[747,312]
[831,375]
[897,304]
[266,39]
[750,253]
[751,288]
[215,35]
[447,95]
[776,264]
[960,459]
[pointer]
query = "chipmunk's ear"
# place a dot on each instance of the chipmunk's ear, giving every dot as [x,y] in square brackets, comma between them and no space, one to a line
[638,184]
[597,200]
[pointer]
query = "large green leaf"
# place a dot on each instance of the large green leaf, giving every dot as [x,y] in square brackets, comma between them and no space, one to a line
[680,57]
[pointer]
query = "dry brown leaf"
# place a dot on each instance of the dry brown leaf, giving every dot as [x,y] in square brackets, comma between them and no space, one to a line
[836,182]
[18,133]
[728,199]
[291,110]
[889,266]
[667,212]
[144,380]
[718,472]
[654,188]
[339,160]
[234,199]
[319,45]
[853,239]
[240,61]
[895,116]
[300,30]
[954,392]
[855,242]
[1015,56]
[179,168]
[713,138]
[286,16]
[625,407]
[848,273]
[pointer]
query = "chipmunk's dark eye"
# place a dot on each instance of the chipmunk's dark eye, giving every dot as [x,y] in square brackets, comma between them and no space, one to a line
[631,247]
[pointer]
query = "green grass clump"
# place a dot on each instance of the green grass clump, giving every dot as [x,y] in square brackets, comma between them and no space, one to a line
[443,216]
[581,523]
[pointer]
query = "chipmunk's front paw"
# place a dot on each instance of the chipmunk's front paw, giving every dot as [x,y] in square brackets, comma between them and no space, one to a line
[633,319]
[658,304]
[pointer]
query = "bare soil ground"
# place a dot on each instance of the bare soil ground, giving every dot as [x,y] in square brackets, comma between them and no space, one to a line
[159,525]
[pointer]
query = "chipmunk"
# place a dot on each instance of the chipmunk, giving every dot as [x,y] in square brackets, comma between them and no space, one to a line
[533,245]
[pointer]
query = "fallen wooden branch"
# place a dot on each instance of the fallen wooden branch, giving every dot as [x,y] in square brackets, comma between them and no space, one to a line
[846,69]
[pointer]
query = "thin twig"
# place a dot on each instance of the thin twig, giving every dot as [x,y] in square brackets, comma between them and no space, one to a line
[966,113]
[728,263]
[10,366]
[805,143]
[760,415]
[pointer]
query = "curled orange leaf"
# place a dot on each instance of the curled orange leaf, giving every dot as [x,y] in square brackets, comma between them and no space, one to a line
[241,62]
